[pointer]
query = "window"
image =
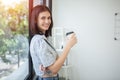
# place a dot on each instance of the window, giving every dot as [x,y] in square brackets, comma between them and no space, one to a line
[14,43]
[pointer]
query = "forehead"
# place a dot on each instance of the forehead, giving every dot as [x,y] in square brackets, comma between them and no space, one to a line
[45,13]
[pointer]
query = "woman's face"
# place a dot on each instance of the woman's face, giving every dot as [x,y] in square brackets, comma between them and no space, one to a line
[44,21]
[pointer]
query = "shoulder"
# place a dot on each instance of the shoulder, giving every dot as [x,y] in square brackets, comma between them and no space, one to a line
[37,38]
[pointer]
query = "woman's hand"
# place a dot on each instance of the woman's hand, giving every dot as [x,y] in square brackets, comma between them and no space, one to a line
[42,68]
[72,40]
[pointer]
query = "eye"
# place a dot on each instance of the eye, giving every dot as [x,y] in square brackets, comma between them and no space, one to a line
[49,17]
[43,18]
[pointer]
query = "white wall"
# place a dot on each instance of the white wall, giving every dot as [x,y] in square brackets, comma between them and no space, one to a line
[97,55]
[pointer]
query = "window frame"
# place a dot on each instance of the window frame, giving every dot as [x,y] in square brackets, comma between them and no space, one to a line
[30,73]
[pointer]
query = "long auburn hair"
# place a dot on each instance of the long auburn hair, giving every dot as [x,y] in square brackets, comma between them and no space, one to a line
[34,17]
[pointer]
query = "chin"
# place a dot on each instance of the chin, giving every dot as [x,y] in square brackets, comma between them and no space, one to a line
[45,29]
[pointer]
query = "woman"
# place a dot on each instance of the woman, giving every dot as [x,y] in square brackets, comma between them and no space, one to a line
[45,59]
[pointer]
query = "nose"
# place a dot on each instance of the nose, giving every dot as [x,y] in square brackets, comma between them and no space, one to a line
[47,21]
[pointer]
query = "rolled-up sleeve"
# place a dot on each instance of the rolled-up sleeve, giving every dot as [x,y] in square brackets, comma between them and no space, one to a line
[46,56]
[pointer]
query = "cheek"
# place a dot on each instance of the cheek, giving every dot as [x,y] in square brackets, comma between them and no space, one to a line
[39,22]
[39,25]
[50,21]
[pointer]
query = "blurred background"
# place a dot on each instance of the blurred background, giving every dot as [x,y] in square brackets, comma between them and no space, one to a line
[96,23]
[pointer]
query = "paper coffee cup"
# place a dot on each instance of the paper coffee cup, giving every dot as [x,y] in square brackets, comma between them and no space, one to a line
[68,34]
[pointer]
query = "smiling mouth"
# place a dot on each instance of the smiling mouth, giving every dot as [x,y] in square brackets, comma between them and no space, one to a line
[47,25]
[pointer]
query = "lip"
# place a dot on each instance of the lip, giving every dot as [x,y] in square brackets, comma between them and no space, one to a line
[46,25]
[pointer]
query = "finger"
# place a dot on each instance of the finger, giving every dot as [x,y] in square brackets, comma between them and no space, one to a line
[72,35]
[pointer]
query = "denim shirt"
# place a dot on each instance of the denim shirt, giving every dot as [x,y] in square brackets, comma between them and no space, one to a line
[42,54]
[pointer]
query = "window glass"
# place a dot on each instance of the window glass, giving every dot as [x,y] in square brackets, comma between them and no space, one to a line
[13,39]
